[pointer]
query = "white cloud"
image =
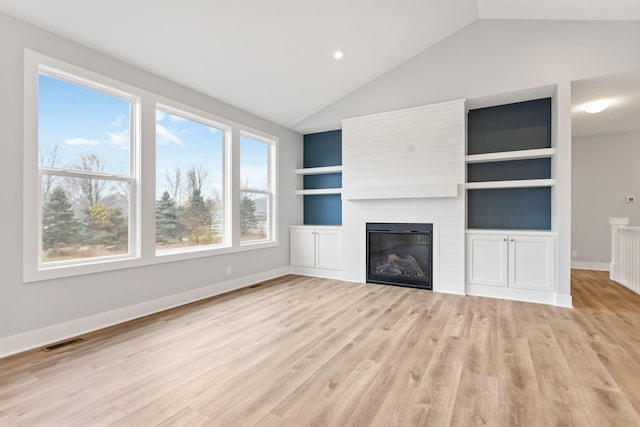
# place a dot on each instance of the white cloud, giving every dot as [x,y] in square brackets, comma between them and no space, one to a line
[118,122]
[160,115]
[119,139]
[163,136]
[81,141]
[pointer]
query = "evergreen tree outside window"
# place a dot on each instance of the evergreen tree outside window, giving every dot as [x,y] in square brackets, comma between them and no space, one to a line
[190,182]
[86,169]
[85,164]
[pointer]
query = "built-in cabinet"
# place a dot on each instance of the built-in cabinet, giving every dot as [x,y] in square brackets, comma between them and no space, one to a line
[510,243]
[511,260]
[316,250]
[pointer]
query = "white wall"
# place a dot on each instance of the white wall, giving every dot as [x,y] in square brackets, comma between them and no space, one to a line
[492,57]
[606,169]
[27,308]
[404,152]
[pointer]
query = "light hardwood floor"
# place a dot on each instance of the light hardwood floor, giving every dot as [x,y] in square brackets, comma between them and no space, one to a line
[303,351]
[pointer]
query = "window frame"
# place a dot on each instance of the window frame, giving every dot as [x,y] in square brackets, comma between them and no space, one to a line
[34,269]
[143,178]
[272,144]
[206,119]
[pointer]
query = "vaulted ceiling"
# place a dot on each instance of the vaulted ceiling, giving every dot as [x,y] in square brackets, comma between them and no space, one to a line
[275,58]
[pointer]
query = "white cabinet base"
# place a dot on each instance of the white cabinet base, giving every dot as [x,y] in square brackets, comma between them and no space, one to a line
[511,265]
[316,251]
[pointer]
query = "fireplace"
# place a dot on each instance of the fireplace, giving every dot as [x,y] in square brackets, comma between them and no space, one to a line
[400,254]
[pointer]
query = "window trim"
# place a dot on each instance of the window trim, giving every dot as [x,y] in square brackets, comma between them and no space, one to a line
[34,269]
[272,143]
[143,157]
[211,120]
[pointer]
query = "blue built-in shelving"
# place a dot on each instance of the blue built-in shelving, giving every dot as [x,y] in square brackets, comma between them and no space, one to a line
[322,175]
[509,173]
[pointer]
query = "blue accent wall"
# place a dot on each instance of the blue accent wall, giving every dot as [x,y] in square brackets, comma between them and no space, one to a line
[330,180]
[519,126]
[323,149]
[323,209]
[509,170]
[510,208]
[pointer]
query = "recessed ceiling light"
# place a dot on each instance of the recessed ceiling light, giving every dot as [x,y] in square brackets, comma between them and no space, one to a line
[338,54]
[596,106]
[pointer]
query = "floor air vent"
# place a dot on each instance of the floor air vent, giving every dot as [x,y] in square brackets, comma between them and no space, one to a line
[62,344]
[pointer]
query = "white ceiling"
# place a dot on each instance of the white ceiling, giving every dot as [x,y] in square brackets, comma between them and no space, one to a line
[274,58]
[623,113]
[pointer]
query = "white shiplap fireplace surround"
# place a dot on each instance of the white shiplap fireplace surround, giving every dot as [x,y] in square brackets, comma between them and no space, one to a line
[407,166]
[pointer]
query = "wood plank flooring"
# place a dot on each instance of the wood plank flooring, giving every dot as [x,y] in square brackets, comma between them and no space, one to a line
[300,351]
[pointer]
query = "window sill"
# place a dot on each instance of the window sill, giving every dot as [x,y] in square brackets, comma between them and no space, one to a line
[105,265]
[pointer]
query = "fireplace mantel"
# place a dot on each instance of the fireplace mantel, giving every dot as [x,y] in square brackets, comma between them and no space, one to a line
[418,191]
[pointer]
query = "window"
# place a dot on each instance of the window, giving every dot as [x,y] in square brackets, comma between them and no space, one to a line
[190,182]
[256,188]
[86,170]
[105,190]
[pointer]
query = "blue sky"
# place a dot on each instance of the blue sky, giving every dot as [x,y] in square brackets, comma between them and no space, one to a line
[86,121]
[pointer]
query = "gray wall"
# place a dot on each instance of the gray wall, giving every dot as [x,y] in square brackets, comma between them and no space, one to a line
[606,169]
[29,307]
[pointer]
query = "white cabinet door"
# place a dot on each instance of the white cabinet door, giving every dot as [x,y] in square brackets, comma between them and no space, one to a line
[487,259]
[531,262]
[302,247]
[329,249]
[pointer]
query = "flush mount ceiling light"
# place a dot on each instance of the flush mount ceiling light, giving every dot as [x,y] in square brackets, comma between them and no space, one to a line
[338,54]
[596,106]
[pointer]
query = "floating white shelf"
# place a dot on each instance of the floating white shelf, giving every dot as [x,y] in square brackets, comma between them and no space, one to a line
[521,183]
[318,171]
[539,153]
[319,191]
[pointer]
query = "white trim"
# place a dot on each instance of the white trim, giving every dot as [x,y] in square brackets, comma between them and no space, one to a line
[513,294]
[539,153]
[319,170]
[512,231]
[318,191]
[39,337]
[583,265]
[316,272]
[272,192]
[518,183]
[563,300]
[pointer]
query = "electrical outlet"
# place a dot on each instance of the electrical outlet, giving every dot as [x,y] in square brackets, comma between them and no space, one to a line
[631,199]
[574,254]
[228,269]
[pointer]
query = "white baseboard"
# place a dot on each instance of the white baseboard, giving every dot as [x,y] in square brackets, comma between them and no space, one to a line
[564,300]
[61,331]
[317,272]
[514,294]
[582,265]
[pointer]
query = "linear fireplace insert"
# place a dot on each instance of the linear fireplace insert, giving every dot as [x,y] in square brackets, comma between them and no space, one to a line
[400,254]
